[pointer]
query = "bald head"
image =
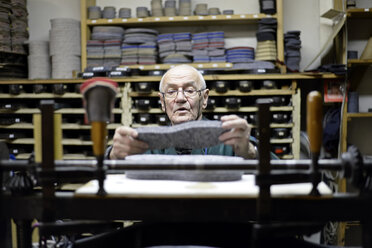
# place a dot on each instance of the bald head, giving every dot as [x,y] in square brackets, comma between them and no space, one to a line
[181,71]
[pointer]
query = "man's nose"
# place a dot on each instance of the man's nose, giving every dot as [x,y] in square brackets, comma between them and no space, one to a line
[180,97]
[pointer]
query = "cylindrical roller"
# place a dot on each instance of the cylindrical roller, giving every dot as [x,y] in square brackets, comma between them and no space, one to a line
[314,120]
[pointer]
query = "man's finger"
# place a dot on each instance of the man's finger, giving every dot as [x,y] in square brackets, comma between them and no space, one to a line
[127,131]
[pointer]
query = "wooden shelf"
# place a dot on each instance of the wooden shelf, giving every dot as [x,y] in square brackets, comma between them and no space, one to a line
[358,62]
[18,126]
[78,142]
[23,156]
[43,96]
[229,93]
[358,115]
[59,111]
[275,76]
[181,20]
[218,110]
[76,156]
[21,111]
[72,126]
[359,13]
[23,141]
[168,66]
[289,156]
[41,81]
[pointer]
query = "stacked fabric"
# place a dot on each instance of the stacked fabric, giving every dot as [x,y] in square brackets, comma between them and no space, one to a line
[216,46]
[19,25]
[292,46]
[184,7]
[125,13]
[95,53]
[5,38]
[209,47]
[175,47]
[200,47]
[156,8]
[170,8]
[94,12]
[65,47]
[147,53]
[254,65]
[104,48]
[107,33]
[267,7]
[112,53]
[38,60]
[129,54]
[109,12]
[240,54]
[266,39]
[139,46]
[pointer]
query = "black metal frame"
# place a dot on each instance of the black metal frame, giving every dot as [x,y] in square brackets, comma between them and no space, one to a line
[267,211]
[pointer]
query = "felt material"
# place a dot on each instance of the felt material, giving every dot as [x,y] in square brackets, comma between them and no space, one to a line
[198,134]
[198,176]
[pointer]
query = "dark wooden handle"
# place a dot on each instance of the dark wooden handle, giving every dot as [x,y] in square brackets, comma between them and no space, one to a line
[314,120]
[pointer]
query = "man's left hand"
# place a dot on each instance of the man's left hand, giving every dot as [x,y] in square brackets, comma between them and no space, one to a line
[238,136]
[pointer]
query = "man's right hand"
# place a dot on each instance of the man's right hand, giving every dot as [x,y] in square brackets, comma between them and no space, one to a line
[125,143]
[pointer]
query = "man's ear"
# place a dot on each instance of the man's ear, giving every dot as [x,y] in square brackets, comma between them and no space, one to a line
[205,98]
[161,101]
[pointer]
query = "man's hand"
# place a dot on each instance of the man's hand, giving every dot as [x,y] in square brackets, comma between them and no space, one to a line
[126,143]
[238,136]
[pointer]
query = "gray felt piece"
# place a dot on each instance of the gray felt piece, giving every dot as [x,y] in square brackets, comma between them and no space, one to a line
[191,135]
[185,175]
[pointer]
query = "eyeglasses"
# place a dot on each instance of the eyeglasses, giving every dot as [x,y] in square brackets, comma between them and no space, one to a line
[188,93]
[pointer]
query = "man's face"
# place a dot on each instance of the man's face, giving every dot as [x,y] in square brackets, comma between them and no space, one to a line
[181,108]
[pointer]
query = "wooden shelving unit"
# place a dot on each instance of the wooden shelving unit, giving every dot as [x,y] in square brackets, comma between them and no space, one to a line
[124,111]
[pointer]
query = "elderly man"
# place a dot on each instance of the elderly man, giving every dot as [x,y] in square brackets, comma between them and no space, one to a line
[183,96]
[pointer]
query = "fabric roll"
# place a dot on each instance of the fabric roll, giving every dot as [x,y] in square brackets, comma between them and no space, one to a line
[65,48]
[64,65]
[39,67]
